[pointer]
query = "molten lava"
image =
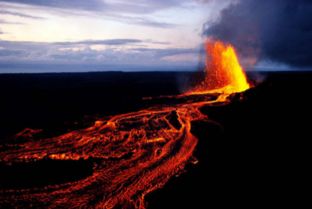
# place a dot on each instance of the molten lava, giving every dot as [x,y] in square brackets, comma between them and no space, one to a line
[223,71]
[134,153]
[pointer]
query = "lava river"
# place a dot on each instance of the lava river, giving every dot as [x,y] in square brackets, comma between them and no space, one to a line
[135,153]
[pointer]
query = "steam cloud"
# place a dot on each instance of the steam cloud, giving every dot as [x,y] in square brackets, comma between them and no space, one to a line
[276,30]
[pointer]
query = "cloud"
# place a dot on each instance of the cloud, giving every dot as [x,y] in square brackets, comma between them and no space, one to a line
[9,53]
[151,23]
[137,20]
[119,6]
[279,30]
[125,11]
[143,6]
[108,42]
[102,42]
[118,52]
[136,56]
[18,14]
[162,53]
[138,6]
[91,5]
[6,22]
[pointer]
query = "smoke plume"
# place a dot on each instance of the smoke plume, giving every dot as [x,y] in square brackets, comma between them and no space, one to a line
[275,30]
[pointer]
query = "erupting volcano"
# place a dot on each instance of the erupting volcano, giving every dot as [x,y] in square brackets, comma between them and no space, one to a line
[133,154]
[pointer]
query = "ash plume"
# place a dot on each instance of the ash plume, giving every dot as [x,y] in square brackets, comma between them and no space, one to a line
[275,30]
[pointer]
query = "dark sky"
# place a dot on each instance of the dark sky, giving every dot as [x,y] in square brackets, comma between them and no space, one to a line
[276,30]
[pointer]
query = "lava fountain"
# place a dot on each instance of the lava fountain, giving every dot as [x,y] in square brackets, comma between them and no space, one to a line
[223,71]
[135,153]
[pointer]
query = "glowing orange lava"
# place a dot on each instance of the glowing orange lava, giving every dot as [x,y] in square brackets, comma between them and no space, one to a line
[134,153]
[223,71]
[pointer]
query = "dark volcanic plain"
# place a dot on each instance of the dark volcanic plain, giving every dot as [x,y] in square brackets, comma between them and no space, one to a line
[255,154]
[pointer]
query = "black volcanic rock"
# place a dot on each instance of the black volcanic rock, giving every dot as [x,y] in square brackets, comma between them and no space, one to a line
[43,173]
[252,152]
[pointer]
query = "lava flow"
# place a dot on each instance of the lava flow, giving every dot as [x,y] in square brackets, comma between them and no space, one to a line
[133,154]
